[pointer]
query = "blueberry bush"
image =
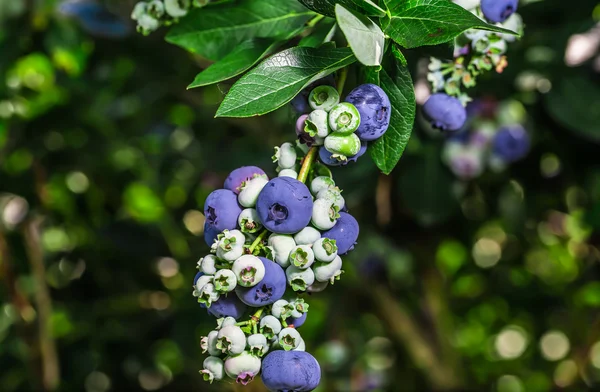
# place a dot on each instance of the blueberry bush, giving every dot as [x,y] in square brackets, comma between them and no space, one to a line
[427,219]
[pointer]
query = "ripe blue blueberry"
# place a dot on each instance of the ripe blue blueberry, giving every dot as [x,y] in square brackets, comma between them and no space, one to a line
[327,158]
[498,11]
[290,371]
[345,233]
[239,176]
[270,289]
[221,209]
[374,107]
[210,234]
[284,205]
[227,306]
[445,112]
[297,321]
[511,143]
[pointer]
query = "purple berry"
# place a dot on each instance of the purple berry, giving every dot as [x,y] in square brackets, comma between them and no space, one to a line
[375,110]
[445,112]
[297,321]
[326,158]
[221,209]
[361,152]
[210,234]
[301,133]
[511,143]
[498,11]
[227,306]
[296,371]
[284,205]
[345,233]
[270,289]
[236,178]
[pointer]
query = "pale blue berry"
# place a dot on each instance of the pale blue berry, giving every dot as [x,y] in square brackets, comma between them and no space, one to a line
[249,221]
[207,264]
[298,278]
[307,236]
[200,283]
[282,309]
[231,340]
[289,338]
[301,346]
[323,97]
[213,369]
[316,124]
[177,8]
[225,281]
[270,326]
[333,194]
[325,249]
[226,321]
[321,182]
[302,256]
[208,295]
[300,306]
[231,245]
[282,245]
[257,344]
[250,191]
[324,214]
[324,272]
[138,10]
[209,343]
[288,173]
[243,367]
[317,287]
[285,156]
[249,270]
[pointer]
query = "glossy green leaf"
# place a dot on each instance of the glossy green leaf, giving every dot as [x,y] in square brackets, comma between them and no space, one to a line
[275,81]
[242,58]
[364,37]
[416,23]
[327,7]
[214,32]
[322,33]
[388,149]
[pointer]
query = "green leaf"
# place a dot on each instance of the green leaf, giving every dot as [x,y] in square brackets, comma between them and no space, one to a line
[388,149]
[575,103]
[327,7]
[416,23]
[278,79]
[242,58]
[214,32]
[322,33]
[364,37]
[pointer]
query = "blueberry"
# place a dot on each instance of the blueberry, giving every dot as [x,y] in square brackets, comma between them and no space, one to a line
[326,272]
[284,205]
[228,306]
[345,233]
[323,97]
[307,236]
[316,124]
[210,234]
[290,371]
[374,107]
[321,182]
[270,326]
[209,343]
[225,281]
[344,146]
[344,118]
[297,321]
[213,369]
[511,143]
[360,153]
[289,338]
[282,245]
[498,11]
[270,289]
[239,176]
[327,158]
[258,345]
[299,279]
[221,210]
[445,112]
[177,8]
[243,367]
[249,270]
[95,18]
[300,101]
[303,136]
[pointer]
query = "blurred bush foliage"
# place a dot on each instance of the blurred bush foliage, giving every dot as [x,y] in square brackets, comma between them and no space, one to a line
[105,161]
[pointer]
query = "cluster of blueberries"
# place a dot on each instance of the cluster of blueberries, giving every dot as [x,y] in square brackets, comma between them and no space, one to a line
[155,13]
[271,241]
[342,129]
[486,140]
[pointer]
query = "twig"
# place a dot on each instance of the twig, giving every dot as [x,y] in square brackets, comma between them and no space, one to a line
[50,364]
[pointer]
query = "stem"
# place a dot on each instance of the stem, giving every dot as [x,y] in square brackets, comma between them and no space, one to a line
[315,20]
[342,80]
[307,164]
[257,240]
[242,323]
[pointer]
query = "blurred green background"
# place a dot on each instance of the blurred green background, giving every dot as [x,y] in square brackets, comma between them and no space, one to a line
[106,159]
